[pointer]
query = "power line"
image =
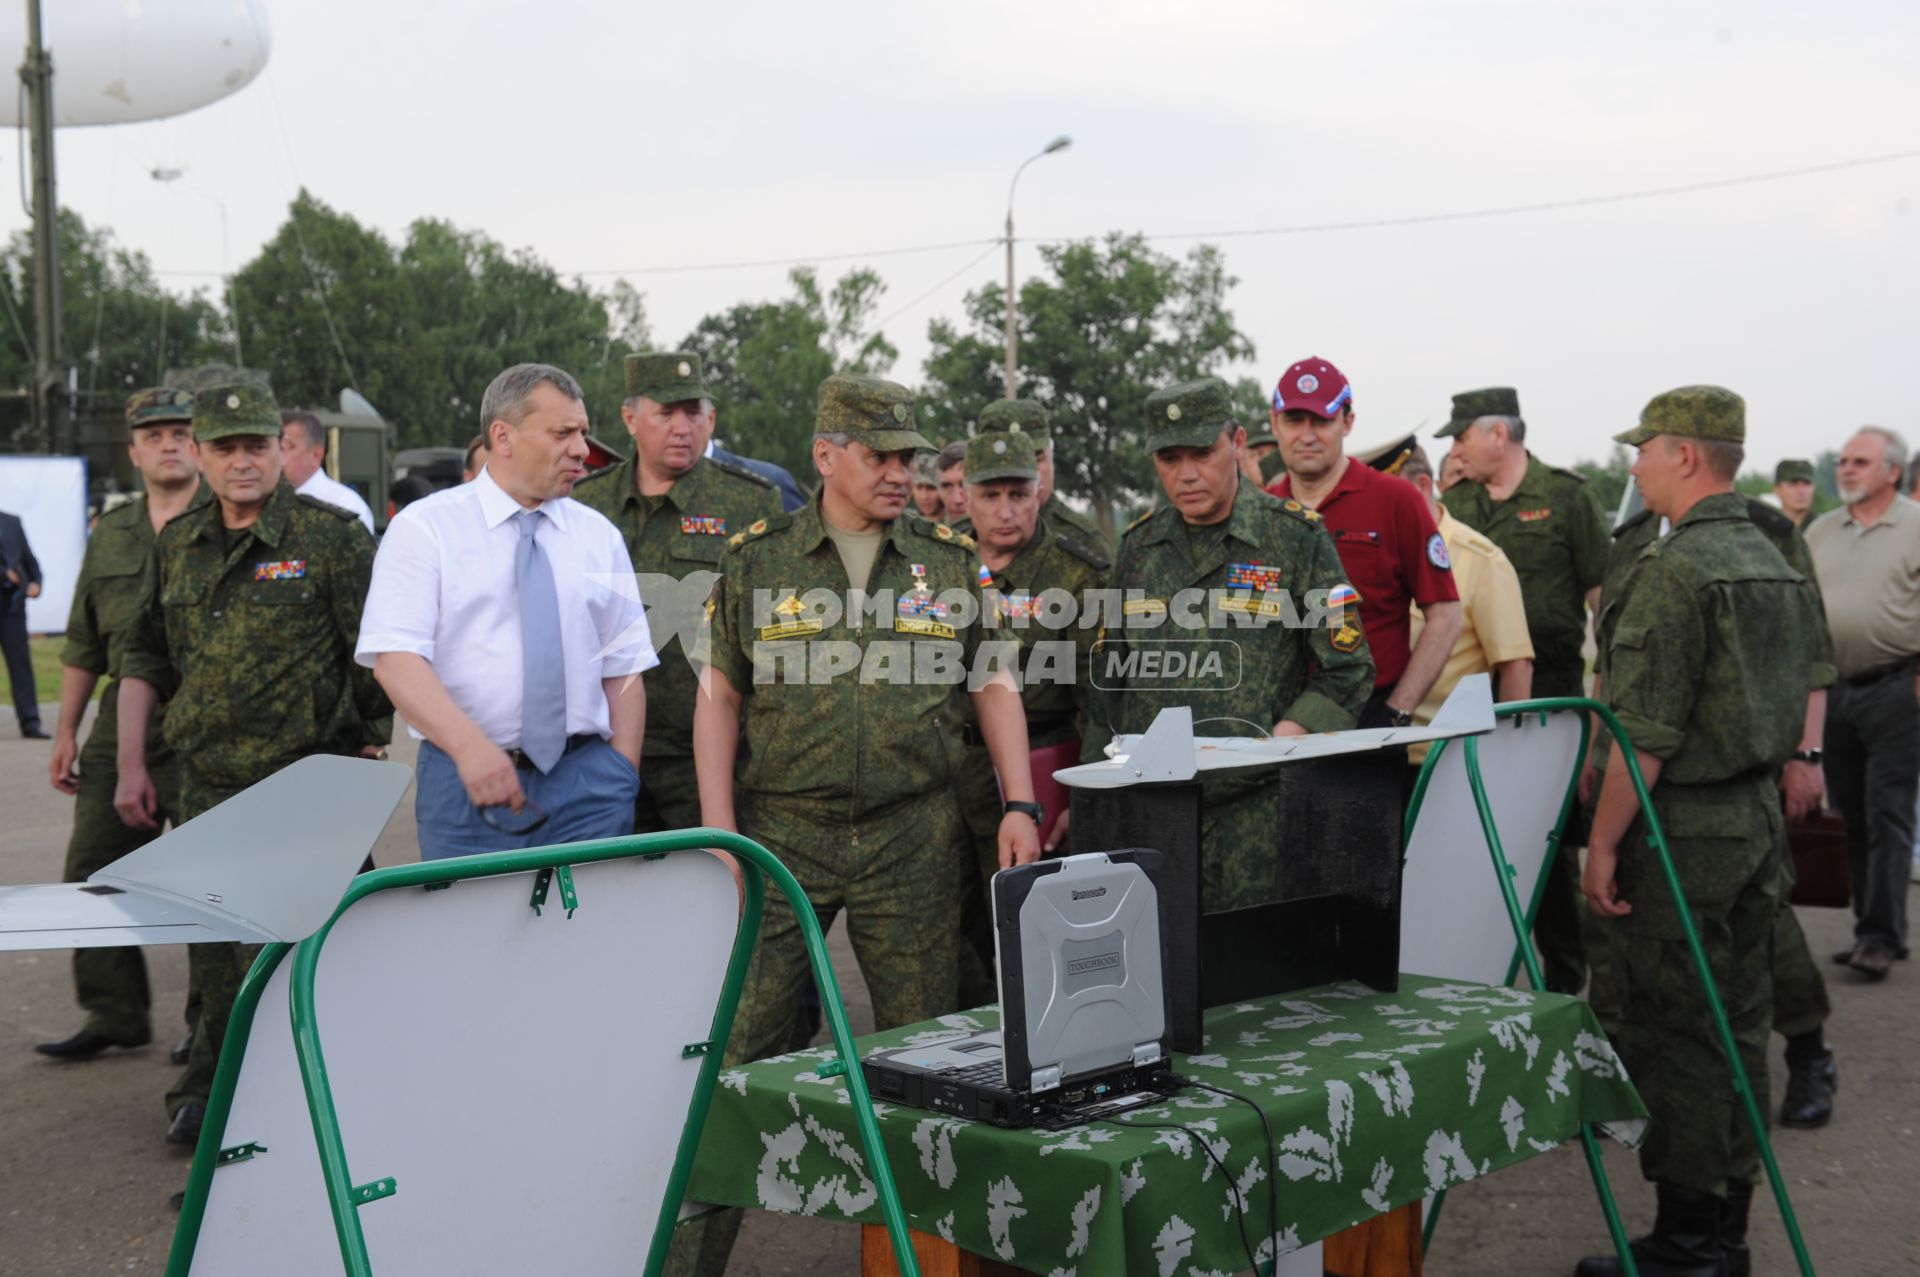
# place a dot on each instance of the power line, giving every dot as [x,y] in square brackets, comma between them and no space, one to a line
[991,248]
[789,261]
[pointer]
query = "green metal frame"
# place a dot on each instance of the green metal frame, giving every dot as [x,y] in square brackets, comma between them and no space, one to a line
[757,864]
[1524,953]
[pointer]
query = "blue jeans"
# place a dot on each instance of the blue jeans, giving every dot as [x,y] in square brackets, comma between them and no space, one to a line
[588,794]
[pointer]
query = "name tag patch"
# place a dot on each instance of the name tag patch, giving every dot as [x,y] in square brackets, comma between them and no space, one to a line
[282,570]
[789,629]
[920,625]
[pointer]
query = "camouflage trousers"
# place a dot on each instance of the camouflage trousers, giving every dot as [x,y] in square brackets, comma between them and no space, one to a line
[1697,1133]
[669,796]
[111,983]
[215,971]
[978,790]
[1558,924]
[896,874]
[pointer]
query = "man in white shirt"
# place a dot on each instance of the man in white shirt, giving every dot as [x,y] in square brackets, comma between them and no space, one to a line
[504,622]
[303,458]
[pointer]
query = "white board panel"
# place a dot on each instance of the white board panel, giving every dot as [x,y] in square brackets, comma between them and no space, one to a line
[520,1077]
[1453,922]
[50,496]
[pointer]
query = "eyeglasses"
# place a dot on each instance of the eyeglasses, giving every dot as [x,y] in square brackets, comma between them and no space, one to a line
[516,823]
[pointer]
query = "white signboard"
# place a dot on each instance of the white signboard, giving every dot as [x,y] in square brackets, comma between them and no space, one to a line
[50,496]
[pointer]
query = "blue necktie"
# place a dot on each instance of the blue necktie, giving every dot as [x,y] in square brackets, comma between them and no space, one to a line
[543,693]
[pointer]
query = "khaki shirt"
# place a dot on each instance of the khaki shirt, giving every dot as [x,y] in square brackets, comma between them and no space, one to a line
[1495,631]
[1870,577]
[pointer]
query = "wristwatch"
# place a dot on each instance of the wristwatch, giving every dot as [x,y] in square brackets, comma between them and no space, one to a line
[1034,810]
[1399,718]
[1809,756]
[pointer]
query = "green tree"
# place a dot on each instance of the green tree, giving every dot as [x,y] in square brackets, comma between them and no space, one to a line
[1105,325]
[122,329]
[765,361]
[422,327]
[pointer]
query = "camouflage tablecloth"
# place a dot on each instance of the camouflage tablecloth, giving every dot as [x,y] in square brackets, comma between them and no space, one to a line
[1375,1099]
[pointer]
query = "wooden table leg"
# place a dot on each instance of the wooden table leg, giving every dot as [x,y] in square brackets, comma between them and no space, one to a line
[1385,1246]
[937,1257]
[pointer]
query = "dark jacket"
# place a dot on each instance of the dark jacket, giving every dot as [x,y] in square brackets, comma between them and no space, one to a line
[791,497]
[17,555]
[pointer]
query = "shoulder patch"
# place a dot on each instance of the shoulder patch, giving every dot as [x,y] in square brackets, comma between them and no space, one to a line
[727,465]
[1626,525]
[315,503]
[1087,554]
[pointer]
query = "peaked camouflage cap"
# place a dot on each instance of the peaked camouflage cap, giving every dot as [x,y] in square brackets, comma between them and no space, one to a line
[1017,416]
[877,412]
[234,409]
[670,376]
[1471,405]
[924,470]
[1001,454]
[1793,470]
[157,406]
[1692,412]
[1188,415]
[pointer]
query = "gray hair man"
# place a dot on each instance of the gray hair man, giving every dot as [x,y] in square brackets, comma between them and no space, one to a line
[1867,558]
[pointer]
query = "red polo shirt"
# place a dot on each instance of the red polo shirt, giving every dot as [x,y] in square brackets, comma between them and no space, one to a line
[1393,554]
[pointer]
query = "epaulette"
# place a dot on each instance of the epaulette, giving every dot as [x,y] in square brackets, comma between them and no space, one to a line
[1627,524]
[728,465]
[315,503]
[1137,522]
[759,528]
[601,472]
[1303,513]
[941,532]
[1087,554]
[1574,475]
[1768,519]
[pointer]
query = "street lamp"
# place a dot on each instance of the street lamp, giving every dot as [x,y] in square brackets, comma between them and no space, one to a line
[1060,143]
[167,176]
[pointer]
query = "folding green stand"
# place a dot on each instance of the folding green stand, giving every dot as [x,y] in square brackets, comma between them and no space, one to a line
[1524,952]
[547,863]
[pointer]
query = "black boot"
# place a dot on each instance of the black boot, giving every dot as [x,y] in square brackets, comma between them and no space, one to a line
[1685,1241]
[1733,1228]
[1812,1080]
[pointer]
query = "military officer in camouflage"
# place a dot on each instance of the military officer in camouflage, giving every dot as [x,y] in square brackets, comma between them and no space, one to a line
[1793,489]
[1555,535]
[246,628]
[111,983]
[843,639]
[676,510]
[1038,584]
[1800,1002]
[1279,644]
[1029,417]
[1713,649]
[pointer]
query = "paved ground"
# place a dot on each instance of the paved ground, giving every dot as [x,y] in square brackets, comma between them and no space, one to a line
[84,1174]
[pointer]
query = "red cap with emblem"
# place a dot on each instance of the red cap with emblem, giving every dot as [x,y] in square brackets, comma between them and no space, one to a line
[1313,385]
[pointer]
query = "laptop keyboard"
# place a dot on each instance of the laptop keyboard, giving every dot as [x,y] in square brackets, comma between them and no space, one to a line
[991,1073]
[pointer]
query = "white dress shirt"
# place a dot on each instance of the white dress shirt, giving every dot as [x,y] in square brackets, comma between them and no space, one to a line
[321,487]
[444,589]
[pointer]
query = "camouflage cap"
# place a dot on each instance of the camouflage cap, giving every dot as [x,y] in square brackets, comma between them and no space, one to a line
[671,376]
[234,409]
[1471,405]
[877,412]
[1001,454]
[925,470]
[1793,470]
[1692,412]
[1188,415]
[158,406]
[1017,416]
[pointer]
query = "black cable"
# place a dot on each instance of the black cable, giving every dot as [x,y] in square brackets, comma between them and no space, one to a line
[1273,1159]
[1239,1198]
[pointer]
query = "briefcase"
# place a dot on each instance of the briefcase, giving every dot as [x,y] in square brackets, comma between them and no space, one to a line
[1818,845]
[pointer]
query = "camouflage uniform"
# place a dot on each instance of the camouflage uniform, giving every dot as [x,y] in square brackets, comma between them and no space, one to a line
[1800,1003]
[1054,706]
[1319,677]
[1712,615]
[1555,534]
[680,533]
[111,983]
[249,635]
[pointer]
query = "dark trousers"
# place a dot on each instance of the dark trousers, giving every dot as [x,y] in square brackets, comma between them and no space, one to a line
[13,642]
[1873,772]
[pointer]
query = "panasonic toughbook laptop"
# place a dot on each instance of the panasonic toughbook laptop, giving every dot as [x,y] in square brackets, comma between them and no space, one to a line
[1083,1007]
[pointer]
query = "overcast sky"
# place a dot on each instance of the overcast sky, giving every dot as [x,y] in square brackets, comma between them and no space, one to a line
[611,138]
